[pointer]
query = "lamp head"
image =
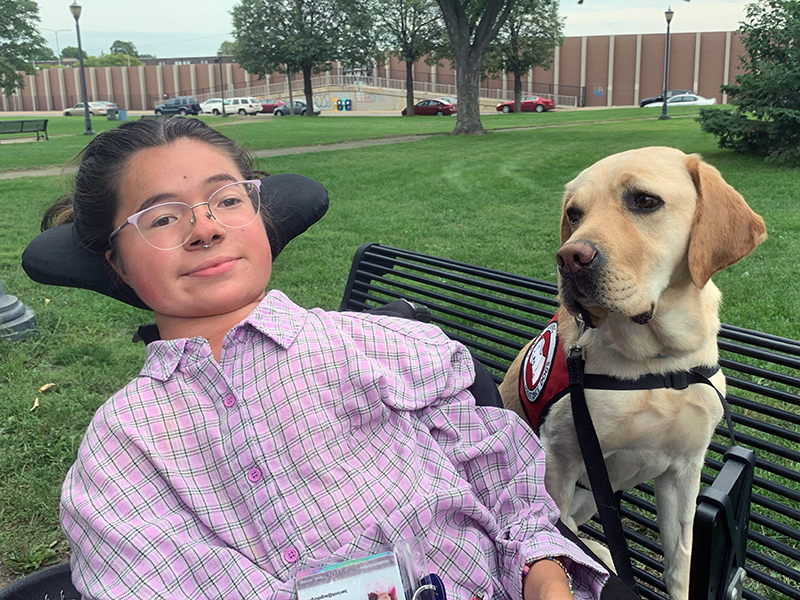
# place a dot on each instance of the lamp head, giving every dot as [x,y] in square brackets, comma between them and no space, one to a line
[668,14]
[75,9]
[219,53]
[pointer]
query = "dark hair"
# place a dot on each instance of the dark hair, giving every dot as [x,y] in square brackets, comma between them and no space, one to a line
[93,204]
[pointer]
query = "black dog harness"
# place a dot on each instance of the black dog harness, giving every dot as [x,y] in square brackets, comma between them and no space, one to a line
[544,378]
[548,374]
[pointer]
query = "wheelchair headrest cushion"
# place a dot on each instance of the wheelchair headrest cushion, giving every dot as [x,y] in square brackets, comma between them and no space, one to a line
[54,257]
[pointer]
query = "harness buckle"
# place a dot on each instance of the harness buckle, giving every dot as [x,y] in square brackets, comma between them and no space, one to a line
[679,380]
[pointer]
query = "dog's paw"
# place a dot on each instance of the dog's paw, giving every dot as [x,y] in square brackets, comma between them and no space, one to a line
[600,552]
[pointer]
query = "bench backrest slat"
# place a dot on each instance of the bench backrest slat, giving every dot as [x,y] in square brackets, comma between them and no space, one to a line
[495,313]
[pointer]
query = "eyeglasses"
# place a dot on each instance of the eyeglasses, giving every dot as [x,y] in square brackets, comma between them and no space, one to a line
[169,225]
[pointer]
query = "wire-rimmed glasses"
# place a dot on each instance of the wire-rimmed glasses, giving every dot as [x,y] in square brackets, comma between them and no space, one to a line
[169,225]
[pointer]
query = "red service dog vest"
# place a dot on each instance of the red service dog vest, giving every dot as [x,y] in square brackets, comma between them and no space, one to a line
[543,377]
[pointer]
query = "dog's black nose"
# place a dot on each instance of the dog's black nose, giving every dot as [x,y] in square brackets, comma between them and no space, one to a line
[574,257]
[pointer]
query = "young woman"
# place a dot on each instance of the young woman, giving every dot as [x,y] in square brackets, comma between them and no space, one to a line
[261,438]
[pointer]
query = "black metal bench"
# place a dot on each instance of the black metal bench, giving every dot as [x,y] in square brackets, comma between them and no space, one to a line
[37,126]
[495,313]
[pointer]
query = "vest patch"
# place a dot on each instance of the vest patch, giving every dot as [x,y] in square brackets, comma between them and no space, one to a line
[543,377]
[538,362]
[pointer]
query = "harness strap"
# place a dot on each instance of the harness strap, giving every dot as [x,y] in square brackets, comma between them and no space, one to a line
[676,380]
[598,475]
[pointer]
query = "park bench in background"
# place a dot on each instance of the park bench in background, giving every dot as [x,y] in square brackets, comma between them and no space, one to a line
[495,313]
[37,126]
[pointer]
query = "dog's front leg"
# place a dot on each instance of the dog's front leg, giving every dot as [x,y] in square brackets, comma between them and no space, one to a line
[676,492]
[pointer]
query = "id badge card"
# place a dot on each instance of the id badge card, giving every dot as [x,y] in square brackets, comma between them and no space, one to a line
[375,577]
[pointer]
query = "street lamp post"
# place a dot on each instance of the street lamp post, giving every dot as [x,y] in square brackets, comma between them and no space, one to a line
[58,49]
[221,85]
[668,14]
[75,9]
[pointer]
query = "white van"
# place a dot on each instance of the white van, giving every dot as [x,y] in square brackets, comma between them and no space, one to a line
[242,106]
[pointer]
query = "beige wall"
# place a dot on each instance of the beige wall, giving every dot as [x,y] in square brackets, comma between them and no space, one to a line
[601,70]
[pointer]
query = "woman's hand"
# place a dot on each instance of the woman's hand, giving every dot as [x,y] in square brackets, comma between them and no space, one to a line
[546,580]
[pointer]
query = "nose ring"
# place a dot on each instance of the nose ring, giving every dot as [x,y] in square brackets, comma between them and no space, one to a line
[208,245]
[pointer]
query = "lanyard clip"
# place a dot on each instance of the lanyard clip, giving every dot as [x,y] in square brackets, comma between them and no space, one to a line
[576,348]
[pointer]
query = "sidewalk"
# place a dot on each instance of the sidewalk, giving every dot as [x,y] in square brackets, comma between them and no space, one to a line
[401,139]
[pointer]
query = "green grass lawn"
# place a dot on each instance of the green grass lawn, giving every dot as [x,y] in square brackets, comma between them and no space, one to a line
[492,200]
[262,132]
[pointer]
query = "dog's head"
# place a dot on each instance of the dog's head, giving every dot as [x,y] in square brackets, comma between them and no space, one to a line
[638,222]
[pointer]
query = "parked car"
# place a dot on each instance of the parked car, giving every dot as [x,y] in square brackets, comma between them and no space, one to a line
[95,109]
[212,106]
[434,107]
[448,100]
[183,105]
[299,109]
[268,105]
[528,104]
[660,97]
[242,106]
[109,105]
[685,100]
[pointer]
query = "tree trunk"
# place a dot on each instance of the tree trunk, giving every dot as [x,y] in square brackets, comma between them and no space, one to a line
[468,46]
[409,88]
[517,91]
[308,90]
[289,85]
[468,87]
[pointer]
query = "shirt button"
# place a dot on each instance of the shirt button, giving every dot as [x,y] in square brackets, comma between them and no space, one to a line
[254,475]
[229,400]
[291,555]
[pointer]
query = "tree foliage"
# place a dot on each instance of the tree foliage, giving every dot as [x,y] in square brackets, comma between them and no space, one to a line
[70,52]
[43,53]
[20,42]
[411,30]
[227,48]
[300,35]
[122,47]
[765,120]
[111,60]
[528,39]
[471,27]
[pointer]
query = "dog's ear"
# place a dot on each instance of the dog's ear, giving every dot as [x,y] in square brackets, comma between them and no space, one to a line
[725,228]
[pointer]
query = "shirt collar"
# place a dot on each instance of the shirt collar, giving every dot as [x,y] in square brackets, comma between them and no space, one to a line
[276,317]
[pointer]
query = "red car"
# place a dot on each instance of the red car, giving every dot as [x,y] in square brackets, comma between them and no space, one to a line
[268,105]
[433,107]
[528,104]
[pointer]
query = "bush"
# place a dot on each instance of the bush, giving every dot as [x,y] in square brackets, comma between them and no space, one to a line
[765,120]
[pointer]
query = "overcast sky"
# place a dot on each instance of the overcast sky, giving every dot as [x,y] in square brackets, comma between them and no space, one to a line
[197,29]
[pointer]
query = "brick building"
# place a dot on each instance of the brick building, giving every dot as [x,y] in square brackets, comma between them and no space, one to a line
[587,71]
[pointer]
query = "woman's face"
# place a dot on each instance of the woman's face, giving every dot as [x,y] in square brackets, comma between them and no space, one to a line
[192,281]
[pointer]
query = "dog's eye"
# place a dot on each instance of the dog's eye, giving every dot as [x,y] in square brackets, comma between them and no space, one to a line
[573,215]
[646,202]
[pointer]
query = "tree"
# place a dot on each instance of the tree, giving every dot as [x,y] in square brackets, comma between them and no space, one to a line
[227,48]
[765,119]
[111,60]
[527,39]
[409,29]
[121,47]
[43,53]
[70,52]
[471,27]
[20,42]
[296,35]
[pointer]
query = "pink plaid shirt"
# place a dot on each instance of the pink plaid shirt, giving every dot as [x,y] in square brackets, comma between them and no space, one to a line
[317,435]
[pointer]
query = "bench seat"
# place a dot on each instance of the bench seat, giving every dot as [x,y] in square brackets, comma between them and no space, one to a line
[496,313]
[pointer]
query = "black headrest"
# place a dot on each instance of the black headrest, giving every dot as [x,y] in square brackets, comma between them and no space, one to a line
[54,257]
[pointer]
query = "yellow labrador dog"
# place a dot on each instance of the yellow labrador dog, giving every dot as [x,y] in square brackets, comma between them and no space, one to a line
[642,232]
